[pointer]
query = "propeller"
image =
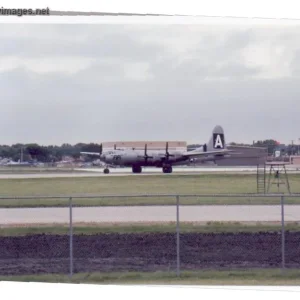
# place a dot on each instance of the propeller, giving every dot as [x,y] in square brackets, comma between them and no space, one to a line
[115,146]
[167,155]
[101,149]
[146,156]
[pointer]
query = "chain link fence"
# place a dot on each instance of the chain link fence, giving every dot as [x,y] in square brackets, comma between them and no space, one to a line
[81,234]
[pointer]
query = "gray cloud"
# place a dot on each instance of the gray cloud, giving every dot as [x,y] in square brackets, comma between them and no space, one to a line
[236,70]
[115,45]
[295,63]
[163,82]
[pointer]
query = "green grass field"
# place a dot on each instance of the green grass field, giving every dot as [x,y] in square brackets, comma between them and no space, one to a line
[126,185]
[139,185]
[209,227]
[202,277]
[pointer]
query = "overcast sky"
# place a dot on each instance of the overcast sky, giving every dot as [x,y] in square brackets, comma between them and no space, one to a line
[96,83]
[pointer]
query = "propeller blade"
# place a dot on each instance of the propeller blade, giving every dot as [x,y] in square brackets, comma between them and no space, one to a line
[167,152]
[115,146]
[145,153]
[146,156]
[101,149]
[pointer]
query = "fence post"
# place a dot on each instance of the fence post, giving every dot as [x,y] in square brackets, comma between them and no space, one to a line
[282,233]
[71,237]
[177,237]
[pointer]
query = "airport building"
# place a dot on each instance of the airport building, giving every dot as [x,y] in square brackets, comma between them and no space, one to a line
[245,156]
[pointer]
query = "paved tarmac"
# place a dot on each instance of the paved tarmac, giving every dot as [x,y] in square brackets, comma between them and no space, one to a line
[98,172]
[217,213]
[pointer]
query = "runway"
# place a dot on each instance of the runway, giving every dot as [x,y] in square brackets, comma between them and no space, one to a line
[215,213]
[178,170]
[98,172]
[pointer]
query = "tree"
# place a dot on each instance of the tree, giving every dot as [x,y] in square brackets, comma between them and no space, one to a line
[270,144]
[37,152]
[90,148]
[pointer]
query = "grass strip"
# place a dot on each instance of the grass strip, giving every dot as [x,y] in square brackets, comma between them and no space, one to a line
[201,277]
[121,228]
[139,185]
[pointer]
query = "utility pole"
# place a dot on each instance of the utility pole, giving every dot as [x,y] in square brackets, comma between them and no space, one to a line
[21,154]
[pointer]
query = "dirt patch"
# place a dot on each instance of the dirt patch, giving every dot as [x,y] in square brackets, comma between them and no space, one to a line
[36,254]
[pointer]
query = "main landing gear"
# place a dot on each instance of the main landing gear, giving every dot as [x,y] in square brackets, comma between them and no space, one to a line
[136,169]
[167,169]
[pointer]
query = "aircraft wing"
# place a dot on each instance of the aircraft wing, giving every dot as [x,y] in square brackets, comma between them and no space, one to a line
[196,153]
[90,153]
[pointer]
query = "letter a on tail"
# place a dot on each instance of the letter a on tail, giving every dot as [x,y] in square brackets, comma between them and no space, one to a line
[218,141]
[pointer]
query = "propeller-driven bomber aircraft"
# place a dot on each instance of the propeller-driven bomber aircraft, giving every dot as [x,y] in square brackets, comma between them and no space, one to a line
[165,159]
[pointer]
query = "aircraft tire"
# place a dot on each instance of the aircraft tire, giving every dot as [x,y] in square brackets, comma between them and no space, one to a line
[106,171]
[167,169]
[136,169]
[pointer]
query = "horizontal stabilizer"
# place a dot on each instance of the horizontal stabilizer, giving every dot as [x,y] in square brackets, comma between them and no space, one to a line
[90,153]
[198,153]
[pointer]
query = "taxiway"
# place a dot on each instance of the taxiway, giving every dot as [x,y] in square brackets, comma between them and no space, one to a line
[98,172]
[130,214]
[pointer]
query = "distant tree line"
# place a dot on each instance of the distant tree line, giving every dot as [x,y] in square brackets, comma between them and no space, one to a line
[272,145]
[55,153]
[46,153]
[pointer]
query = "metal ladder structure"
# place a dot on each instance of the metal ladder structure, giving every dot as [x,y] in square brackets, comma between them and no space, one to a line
[278,176]
[261,178]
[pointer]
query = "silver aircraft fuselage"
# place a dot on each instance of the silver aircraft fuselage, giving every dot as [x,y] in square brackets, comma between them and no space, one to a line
[130,157]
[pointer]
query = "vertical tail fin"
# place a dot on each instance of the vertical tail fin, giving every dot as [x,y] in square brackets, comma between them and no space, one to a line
[217,140]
